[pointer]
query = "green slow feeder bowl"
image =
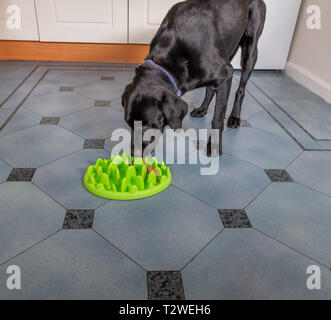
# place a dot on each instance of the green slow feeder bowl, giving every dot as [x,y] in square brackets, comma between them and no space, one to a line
[119,179]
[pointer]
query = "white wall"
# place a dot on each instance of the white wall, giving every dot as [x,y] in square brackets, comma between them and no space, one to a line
[309,59]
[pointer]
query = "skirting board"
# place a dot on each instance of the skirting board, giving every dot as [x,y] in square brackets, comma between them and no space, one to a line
[309,80]
[72,52]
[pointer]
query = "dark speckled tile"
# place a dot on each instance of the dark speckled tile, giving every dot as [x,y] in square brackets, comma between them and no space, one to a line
[94,143]
[50,120]
[165,285]
[21,174]
[78,219]
[278,175]
[234,218]
[66,89]
[102,103]
[106,78]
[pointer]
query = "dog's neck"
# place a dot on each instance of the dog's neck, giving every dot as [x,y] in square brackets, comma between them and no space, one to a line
[153,77]
[170,77]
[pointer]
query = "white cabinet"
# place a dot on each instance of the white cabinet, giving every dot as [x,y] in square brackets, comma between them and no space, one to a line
[98,21]
[134,21]
[145,17]
[24,11]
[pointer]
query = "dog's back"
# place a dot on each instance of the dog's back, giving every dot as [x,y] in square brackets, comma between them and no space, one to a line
[204,24]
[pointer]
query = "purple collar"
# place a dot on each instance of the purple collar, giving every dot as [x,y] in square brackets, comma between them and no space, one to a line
[170,77]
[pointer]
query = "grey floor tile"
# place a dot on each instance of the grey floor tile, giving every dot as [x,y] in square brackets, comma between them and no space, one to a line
[249,108]
[319,130]
[284,88]
[44,87]
[195,97]
[295,109]
[36,146]
[260,148]
[78,219]
[101,90]
[313,169]
[244,264]
[4,115]
[63,179]
[9,82]
[278,175]
[264,121]
[317,109]
[245,124]
[79,265]
[117,104]
[71,78]
[58,104]
[11,75]
[5,170]
[326,145]
[291,126]
[122,76]
[16,70]
[300,135]
[234,218]
[234,185]
[21,120]
[197,123]
[7,87]
[21,174]
[27,216]
[95,123]
[165,285]
[163,232]
[272,76]
[154,232]
[24,89]
[296,216]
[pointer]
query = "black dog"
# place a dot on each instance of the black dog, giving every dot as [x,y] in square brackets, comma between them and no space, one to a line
[193,48]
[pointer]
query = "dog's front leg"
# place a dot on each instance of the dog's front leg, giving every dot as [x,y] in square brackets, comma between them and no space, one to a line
[200,112]
[222,97]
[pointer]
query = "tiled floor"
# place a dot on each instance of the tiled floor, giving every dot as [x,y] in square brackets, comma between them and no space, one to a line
[250,231]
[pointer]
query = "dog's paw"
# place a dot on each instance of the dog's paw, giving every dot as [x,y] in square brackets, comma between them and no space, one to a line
[233,122]
[198,113]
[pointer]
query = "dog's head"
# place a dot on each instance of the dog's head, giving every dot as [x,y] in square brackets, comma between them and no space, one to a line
[155,107]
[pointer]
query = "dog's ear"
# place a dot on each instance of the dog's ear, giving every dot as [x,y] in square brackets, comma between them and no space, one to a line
[174,109]
[125,95]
